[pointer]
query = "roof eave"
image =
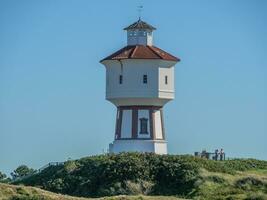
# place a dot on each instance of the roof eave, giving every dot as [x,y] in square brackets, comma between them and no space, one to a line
[173,60]
[151,29]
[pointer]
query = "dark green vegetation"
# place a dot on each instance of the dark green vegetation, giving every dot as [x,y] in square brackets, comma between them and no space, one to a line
[150,174]
[4,178]
[22,171]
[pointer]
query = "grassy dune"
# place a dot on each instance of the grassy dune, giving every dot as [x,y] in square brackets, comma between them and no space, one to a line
[247,185]
[12,192]
[153,177]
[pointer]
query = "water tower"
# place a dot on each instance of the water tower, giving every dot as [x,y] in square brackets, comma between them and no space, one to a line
[139,82]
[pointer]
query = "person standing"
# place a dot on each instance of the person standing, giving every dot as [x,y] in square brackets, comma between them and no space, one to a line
[216,154]
[221,154]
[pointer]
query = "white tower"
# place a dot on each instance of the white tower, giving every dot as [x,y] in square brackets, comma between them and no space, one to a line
[139,82]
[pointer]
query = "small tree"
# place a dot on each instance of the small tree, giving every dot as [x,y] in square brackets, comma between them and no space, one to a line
[2,177]
[21,171]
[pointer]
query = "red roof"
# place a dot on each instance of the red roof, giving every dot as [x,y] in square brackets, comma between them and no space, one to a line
[141,52]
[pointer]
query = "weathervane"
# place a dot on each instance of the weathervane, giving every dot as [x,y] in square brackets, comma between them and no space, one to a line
[140,9]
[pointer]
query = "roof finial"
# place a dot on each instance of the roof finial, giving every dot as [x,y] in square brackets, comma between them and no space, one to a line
[140,9]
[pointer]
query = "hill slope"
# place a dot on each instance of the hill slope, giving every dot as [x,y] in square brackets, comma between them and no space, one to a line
[150,174]
[12,192]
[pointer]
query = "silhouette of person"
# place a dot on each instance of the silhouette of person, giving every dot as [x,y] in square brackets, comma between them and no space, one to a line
[216,154]
[221,154]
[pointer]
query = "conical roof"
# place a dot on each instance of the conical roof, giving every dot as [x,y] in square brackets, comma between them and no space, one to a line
[140,25]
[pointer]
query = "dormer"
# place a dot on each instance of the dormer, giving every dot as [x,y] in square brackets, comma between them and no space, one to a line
[140,33]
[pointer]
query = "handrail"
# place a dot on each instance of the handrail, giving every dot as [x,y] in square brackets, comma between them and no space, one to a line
[38,170]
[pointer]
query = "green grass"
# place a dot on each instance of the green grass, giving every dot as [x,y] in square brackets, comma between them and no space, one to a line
[241,185]
[12,192]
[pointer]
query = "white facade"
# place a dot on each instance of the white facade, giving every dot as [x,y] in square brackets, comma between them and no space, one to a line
[133,91]
[166,82]
[158,124]
[155,146]
[126,124]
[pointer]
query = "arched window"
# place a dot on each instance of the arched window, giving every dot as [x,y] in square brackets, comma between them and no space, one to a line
[143,125]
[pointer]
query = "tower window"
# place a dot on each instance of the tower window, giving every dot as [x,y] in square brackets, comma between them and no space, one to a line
[143,125]
[120,79]
[145,79]
[166,80]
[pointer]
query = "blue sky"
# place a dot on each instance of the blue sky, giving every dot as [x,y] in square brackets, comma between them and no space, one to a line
[52,86]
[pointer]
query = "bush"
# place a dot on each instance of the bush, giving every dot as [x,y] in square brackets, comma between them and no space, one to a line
[251,184]
[216,179]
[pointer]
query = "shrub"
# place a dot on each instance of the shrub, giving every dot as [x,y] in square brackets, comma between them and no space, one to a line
[250,183]
[216,179]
